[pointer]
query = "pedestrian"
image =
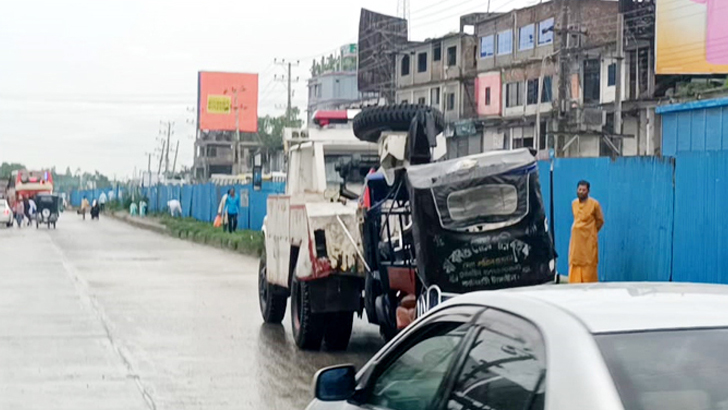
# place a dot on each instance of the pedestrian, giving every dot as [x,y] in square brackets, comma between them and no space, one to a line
[232,207]
[175,207]
[84,207]
[584,247]
[102,201]
[26,204]
[221,210]
[33,210]
[19,210]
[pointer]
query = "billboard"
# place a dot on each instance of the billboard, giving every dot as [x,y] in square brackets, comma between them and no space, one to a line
[692,36]
[224,99]
[380,37]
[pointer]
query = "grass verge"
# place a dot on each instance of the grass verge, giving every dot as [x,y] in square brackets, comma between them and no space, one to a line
[246,242]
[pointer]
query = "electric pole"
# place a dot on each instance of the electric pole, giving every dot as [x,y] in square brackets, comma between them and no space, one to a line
[563,72]
[169,133]
[618,73]
[174,164]
[289,80]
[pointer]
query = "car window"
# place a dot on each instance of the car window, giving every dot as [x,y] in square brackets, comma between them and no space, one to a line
[668,370]
[411,380]
[504,369]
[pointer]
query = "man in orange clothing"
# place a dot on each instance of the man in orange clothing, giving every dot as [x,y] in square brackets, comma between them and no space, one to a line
[584,247]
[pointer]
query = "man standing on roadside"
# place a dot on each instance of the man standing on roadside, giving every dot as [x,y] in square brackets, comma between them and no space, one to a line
[584,247]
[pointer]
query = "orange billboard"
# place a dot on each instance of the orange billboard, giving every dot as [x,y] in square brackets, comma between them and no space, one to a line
[227,101]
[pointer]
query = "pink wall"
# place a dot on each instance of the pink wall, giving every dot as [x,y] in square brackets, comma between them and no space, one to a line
[492,80]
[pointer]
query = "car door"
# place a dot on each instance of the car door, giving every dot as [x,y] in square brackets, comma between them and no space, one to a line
[410,373]
[503,369]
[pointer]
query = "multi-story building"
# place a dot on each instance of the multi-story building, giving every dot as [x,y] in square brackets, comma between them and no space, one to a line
[518,74]
[333,83]
[218,152]
[441,73]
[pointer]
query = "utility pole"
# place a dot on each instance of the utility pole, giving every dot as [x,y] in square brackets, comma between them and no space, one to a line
[618,73]
[169,125]
[174,164]
[289,80]
[563,71]
[161,158]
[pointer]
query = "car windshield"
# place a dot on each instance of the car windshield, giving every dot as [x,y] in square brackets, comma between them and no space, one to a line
[666,370]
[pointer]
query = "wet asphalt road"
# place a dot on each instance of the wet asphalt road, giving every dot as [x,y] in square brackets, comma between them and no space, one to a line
[100,315]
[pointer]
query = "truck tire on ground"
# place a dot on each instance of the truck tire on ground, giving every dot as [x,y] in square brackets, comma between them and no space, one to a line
[272,306]
[370,122]
[308,327]
[338,330]
[372,289]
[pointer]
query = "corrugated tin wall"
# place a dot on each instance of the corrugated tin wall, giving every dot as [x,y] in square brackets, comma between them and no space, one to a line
[694,127]
[701,217]
[636,195]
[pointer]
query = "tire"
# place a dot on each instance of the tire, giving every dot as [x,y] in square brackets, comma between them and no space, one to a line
[272,306]
[338,330]
[308,328]
[372,289]
[369,123]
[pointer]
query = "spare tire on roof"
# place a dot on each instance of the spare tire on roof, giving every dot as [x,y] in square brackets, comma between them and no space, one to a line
[370,122]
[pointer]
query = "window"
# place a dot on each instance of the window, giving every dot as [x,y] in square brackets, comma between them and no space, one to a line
[546,32]
[404,102]
[487,95]
[450,101]
[525,37]
[452,56]
[435,97]
[405,65]
[486,200]
[505,42]
[421,62]
[666,370]
[505,368]
[412,379]
[542,136]
[211,151]
[547,92]
[437,52]
[487,46]
[422,100]
[612,75]
[532,92]
[514,95]
[592,77]
[525,142]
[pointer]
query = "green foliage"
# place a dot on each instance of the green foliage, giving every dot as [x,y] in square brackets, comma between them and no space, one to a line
[246,242]
[7,168]
[270,129]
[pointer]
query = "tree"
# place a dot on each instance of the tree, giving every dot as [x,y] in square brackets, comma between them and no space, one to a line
[270,129]
[7,168]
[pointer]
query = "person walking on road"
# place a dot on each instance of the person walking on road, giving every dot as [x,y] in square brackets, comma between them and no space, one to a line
[584,247]
[33,210]
[26,204]
[221,210]
[232,207]
[84,207]
[19,211]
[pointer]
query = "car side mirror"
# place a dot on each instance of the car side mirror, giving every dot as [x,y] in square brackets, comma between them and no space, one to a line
[335,383]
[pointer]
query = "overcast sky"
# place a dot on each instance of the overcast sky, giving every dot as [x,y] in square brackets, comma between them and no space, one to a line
[85,83]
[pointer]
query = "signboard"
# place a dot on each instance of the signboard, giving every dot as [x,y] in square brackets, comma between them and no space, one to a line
[227,99]
[349,50]
[692,36]
[219,104]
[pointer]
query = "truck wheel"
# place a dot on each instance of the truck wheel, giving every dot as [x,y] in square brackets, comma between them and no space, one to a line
[372,289]
[272,306]
[369,123]
[338,330]
[308,327]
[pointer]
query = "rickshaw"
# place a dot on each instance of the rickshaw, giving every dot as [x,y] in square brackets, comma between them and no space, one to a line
[432,229]
[48,208]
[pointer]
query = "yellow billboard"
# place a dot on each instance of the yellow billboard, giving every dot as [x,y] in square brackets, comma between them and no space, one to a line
[692,36]
[218,104]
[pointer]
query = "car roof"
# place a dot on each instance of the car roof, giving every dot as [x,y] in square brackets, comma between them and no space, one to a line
[625,307]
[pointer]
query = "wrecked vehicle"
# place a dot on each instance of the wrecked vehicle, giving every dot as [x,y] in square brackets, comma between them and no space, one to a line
[432,230]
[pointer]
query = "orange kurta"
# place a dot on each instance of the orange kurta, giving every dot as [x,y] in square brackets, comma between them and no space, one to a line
[584,247]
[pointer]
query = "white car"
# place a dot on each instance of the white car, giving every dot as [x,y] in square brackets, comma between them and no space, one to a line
[6,214]
[647,346]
